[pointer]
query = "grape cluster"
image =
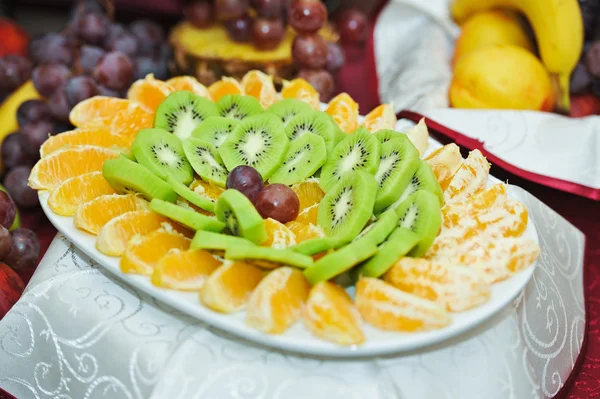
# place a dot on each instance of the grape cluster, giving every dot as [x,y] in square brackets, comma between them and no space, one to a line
[586,75]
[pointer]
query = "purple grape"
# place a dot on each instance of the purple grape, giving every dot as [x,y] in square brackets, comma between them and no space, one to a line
[310,51]
[580,79]
[15,182]
[32,111]
[47,78]
[87,6]
[124,42]
[91,28]
[115,30]
[8,210]
[268,8]
[321,80]
[89,57]
[105,91]
[245,179]
[353,26]
[115,71]
[80,88]
[24,252]
[35,134]
[266,33]
[5,242]
[201,14]
[307,16]
[279,202]
[335,57]
[15,151]
[52,48]
[147,64]
[592,59]
[59,105]
[149,35]
[240,29]
[14,71]
[231,9]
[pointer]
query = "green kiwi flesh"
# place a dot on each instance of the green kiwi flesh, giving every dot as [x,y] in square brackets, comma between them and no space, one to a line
[422,179]
[239,215]
[338,262]
[187,194]
[317,245]
[236,106]
[314,122]
[304,157]
[162,154]
[258,141]
[358,151]
[380,229]
[215,241]
[186,216]
[215,130]
[275,255]
[348,206]
[399,243]
[182,112]
[421,213]
[126,176]
[287,108]
[206,161]
[386,135]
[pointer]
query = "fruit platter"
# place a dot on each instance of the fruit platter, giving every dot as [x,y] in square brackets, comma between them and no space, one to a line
[277,218]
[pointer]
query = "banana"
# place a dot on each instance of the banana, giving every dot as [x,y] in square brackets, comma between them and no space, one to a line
[558,27]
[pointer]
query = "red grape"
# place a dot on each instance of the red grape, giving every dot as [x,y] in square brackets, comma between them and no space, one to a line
[80,88]
[59,106]
[115,71]
[310,51]
[35,134]
[52,48]
[32,111]
[279,202]
[245,179]
[15,182]
[5,242]
[24,251]
[592,59]
[147,64]
[268,8]
[15,151]
[126,43]
[14,71]
[230,9]
[91,28]
[149,35]
[8,210]
[307,16]
[266,33]
[201,14]
[47,78]
[352,25]
[335,57]
[321,80]
[89,57]
[239,29]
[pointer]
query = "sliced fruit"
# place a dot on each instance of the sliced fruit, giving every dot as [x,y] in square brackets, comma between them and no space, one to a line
[260,86]
[456,213]
[97,109]
[309,193]
[314,122]
[65,199]
[189,83]
[303,158]
[286,109]
[99,137]
[422,179]
[305,232]
[277,301]
[379,230]
[206,161]
[508,219]
[184,270]
[182,112]
[470,177]
[278,235]
[215,241]
[386,135]
[308,215]
[421,214]
[382,117]
[228,288]
[149,92]
[214,130]
[241,218]
[191,196]
[398,244]
[300,89]
[128,122]
[224,87]
[206,190]
[388,308]
[444,162]
[186,217]
[268,258]
[238,107]
[419,136]
[317,245]
[344,111]
[94,214]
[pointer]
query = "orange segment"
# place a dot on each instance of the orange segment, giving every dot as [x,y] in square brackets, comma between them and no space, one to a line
[49,172]
[344,110]
[388,308]
[455,214]
[94,214]
[470,177]
[309,193]
[207,190]
[115,235]
[143,252]
[96,109]
[189,83]
[444,162]
[65,199]
[149,92]
[260,86]
[301,90]
[305,232]
[330,314]
[309,215]
[456,288]
[223,87]
[278,235]
[99,137]
[229,287]
[508,219]
[127,123]
[277,301]
[419,136]
[382,117]
[184,270]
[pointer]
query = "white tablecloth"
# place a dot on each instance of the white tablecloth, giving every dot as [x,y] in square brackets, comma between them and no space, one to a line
[79,333]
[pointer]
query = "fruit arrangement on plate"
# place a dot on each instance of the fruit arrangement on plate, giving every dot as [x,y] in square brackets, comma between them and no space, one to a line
[260,201]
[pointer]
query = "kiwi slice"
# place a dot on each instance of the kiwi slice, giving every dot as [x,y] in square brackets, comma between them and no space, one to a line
[186,217]
[338,133]
[206,161]
[182,111]
[184,191]
[348,206]
[215,129]
[399,243]
[304,157]
[380,229]
[242,219]
[386,135]
[236,106]
[337,262]
[287,108]
[422,179]
[268,257]
[317,245]
[315,122]
[258,141]
[421,213]
[398,162]
[126,176]
[162,154]
[358,151]
[215,241]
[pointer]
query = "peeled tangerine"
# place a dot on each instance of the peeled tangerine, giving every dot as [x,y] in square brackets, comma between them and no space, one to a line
[501,77]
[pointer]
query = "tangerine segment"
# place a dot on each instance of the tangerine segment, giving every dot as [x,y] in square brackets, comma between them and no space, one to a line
[445,162]
[455,214]
[278,235]
[207,190]
[127,123]
[189,83]
[94,214]
[301,90]
[149,92]
[260,86]
[309,193]
[143,252]
[229,287]
[49,172]
[100,137]
[115,235]
[277,301]
[382,117]
[224,87]
[305,232]
[95,110]
[330,314]
[65,199]
[470,177]
[184,270]
[344,110]
[308,215]
[456,288]
[388,308]
[508,219]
